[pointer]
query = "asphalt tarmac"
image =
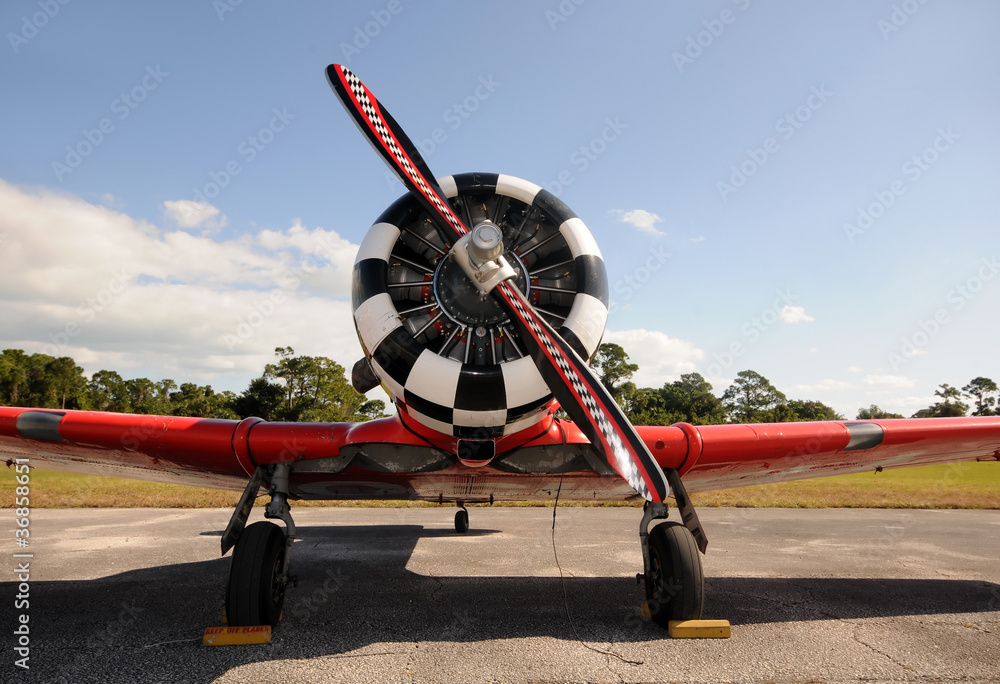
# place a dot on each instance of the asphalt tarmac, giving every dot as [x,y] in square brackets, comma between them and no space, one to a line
[395,595]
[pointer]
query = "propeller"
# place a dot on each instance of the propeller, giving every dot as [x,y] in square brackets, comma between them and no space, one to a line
[568,377]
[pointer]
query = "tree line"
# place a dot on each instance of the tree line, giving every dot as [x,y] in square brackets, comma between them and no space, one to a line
[316,389]
[294,388]
[753,399]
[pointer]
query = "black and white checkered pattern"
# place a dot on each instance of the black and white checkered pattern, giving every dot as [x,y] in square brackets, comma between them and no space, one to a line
[625,465]
[373,115]
[442,394]
[563,378]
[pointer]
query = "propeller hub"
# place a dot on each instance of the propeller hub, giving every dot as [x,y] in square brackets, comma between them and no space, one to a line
[487,242]
[480,254]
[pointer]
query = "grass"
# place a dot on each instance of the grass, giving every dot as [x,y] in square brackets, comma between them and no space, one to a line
[955,485]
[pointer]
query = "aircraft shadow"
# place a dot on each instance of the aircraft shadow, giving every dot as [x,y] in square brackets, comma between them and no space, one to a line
[354,590]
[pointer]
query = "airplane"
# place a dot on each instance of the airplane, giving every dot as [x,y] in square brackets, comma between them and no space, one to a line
[479,300]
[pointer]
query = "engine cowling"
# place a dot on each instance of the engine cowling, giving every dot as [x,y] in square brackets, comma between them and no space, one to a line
[448,357]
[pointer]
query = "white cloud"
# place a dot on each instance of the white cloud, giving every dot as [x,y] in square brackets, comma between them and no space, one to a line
[888,381]
[191,214]
[700,238]
[660,358]
[853,369]
[643,220]
[109,200]
[794,314]
[82,280]
[910,404]
[827,385]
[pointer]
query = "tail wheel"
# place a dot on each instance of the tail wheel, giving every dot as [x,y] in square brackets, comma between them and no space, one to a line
[675,584]
[254,592]
[462,521]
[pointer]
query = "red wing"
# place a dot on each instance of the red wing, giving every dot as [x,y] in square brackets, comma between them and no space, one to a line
[719,456]
[192,451]
[223,453]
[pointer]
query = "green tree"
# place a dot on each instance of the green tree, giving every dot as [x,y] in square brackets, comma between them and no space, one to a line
[613,369]
[951,406]
[873,412]
[68,382]
[13,376]
[374,408]
[812,410]
[107,391]
[263,399]
[690,399]
[753,399]
[144,397]
[980,389]
[202,402]
[645,406]
[315,389]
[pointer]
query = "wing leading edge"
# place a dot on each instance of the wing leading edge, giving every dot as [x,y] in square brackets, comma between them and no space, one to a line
[224,453]
[720,456]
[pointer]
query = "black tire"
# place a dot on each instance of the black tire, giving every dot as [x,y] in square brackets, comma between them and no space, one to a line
[462,521]
[675,585]
[254,595]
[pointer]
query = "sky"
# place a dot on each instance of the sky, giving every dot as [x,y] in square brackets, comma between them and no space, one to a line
[808,190]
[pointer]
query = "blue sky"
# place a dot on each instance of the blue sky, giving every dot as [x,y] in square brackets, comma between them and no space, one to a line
[808,190]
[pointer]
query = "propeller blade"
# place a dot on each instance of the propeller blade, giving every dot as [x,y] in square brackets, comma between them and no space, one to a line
[396,149]
[585,399]
[569,378]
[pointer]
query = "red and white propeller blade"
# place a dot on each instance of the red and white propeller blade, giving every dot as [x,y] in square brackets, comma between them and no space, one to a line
[567,375]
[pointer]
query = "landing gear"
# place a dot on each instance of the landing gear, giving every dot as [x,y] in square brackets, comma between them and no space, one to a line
[675,585]
[673,577]
[461,519]
[258,573]
[255,591]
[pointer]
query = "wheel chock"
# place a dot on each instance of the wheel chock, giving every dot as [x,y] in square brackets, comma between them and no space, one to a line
[698,629]
[236,636]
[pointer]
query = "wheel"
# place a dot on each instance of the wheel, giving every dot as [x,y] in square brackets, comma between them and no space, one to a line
[675,585]
[254,594]
[462,521]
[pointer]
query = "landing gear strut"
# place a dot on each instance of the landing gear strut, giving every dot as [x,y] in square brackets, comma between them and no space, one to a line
[258,573]
[673,578]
